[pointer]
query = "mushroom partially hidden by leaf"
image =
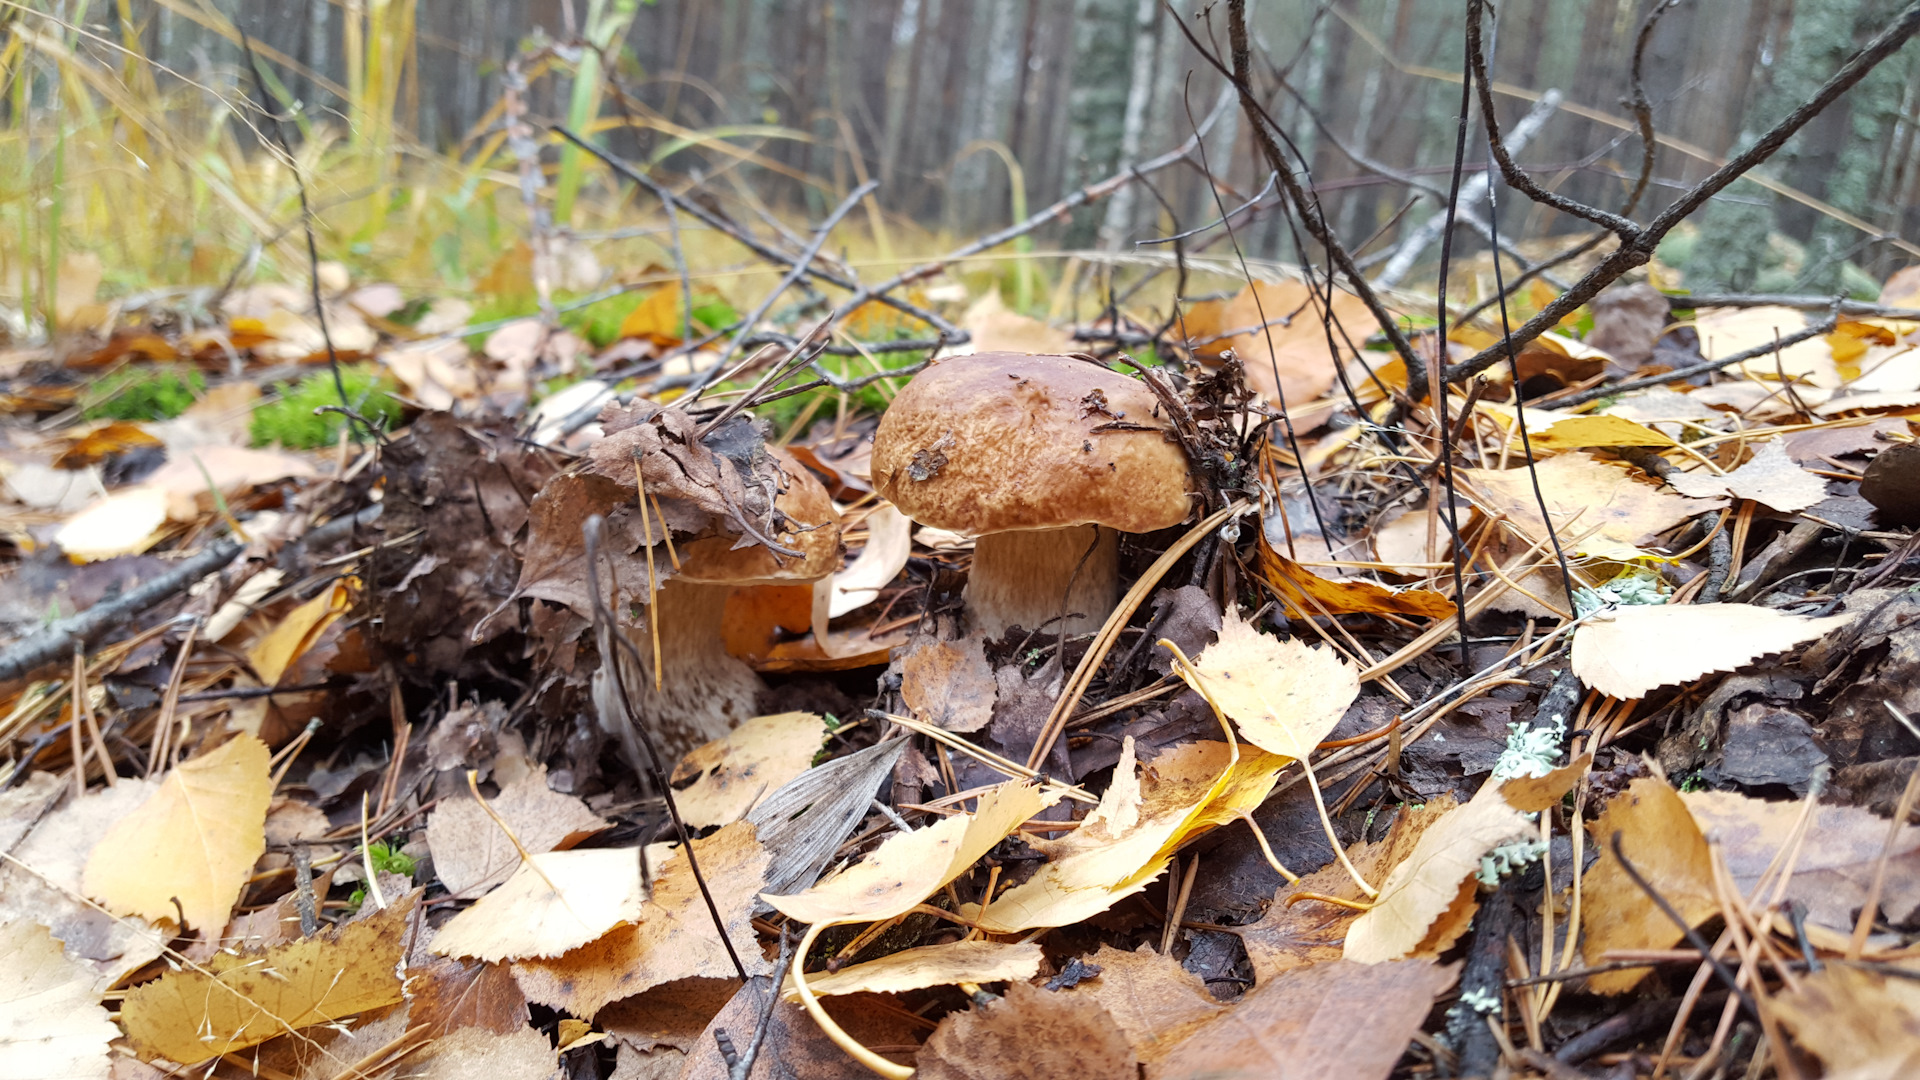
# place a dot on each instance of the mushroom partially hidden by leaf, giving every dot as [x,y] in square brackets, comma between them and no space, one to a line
[1045,459]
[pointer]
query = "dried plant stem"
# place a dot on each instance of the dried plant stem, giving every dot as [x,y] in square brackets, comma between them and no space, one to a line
[832,1030]
[646,529]
[1858,942]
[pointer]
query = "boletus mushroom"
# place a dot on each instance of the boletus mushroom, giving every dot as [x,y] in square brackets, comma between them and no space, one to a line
[1044,459]
[704,692]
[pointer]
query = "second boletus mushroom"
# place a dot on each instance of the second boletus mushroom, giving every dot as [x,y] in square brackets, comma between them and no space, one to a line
[1044,459]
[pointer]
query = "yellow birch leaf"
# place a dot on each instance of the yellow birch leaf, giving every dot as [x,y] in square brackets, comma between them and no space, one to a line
[1422,889]
[196,838]
[730,774]
[1630,651]
[928,965]
[1661,838]
[1284,695]
[51,1024]
[287,642]
[556,901]
[237,1000]
[908,867]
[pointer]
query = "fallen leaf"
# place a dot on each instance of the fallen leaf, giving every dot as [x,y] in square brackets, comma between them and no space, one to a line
[1294,342]
[949,683]
[1585,494]
[290,639]
[1662,842]
[718,783]
[238,1000]
[1769,478]
[51,1024]
[1864,1025]
[927,965]
[1837,857]
[672,1014]
[76,289]
[1310,594]
[524,1054]
[195,840]
[555,901]
[1339,1019]
[91,447]
[1295,934]
[1284,695]
[794,1046]
[1726,331]
[1154,1001]
[1575,432]
[1422,889]
[660,318]
[1643,647]
[908,867]
[889,543]
[1030,1034]
[126,522]
[470,853]
[448,994]
[994,328]
[673,937]
[232,469]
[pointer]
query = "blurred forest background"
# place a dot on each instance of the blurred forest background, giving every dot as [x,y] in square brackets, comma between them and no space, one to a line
[969,113]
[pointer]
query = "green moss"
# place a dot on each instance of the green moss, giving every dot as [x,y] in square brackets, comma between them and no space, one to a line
[145,393]
[292,422]
[386,859]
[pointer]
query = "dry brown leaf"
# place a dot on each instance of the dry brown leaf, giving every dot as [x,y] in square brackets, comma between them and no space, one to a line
[1300,934]
[889,544]
[1662,842]
[1863,1025]
[448,994]
[1310,594]
[674,938]
[1295,341]
[1575,432]
[1339,1019]
[927,965]
[995,328]
[795,1047]
[1770,478]
[672,1015]
[195,840]
[1837,858]
[1155,1002]
[1725,331]
[472,855]
[51,1024]
[1583,493]
[524,1054]
[1030,1034]
[949,683]
[555,901]
[1423,888]
[1632,650]
[908,867]
[242,999]
[1284,695]
[718,783]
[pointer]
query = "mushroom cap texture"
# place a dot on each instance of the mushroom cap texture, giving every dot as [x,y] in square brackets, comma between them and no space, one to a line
[714,560]
[1004,442]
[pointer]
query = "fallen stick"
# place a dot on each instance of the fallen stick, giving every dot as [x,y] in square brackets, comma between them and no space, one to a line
[57,641]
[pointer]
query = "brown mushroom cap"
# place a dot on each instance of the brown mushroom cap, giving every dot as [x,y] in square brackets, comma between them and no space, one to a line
[714,560]
[1001,442]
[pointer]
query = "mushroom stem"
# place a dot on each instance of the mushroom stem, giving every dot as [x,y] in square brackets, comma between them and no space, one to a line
[1026,578]
[703,691]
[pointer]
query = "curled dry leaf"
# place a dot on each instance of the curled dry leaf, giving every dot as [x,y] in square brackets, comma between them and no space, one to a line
[1660,839]
[674,938]
[195,840]
[1155,1002]
[1863,1025]
[1292,342]
[1770,478]
[1726,331]
[928,965]
[472,855]
[1434,878]
[1335,1019]
[1030,1034]
[908,867]
[1126,842]
[1575,432]
[1284,695]
[290,639]
[241,999]
[1633,650]
[889,543]
[554,902]
[1310,594]
[1614,513]
[726,777]
[51,1024]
